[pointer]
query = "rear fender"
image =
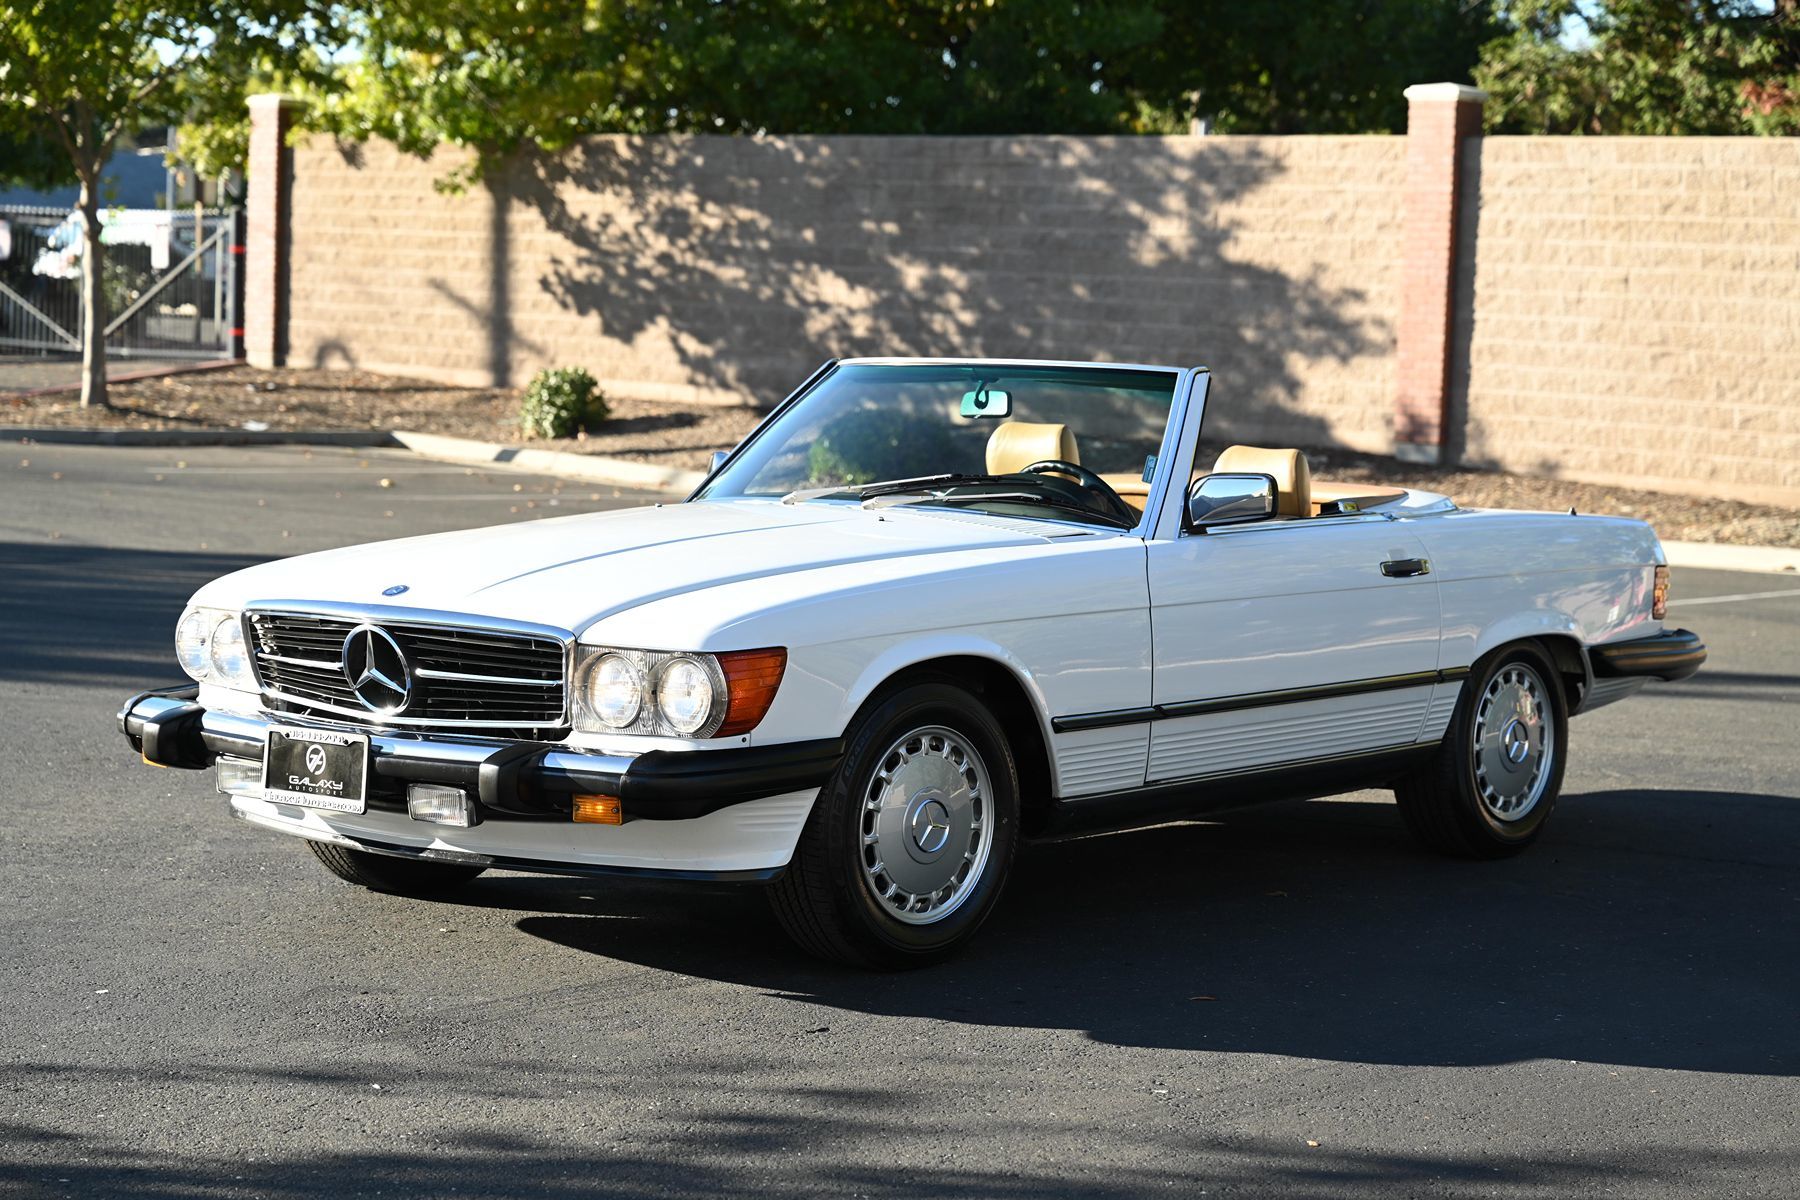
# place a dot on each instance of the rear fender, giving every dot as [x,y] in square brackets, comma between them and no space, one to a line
[1563,640]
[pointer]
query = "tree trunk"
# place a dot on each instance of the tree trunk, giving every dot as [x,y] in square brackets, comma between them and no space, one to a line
[93,297]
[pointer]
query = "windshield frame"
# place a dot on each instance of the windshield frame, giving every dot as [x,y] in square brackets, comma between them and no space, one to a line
[1181,394]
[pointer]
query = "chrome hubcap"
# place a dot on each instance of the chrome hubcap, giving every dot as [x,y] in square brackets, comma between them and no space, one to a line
[1514,743]
[927,825]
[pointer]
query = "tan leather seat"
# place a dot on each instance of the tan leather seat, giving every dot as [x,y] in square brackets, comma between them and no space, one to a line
[1131,489]
[1293,478]
[1017,444]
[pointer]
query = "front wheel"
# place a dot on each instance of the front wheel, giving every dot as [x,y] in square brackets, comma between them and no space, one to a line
[1494,781]
[910,842]
[385,873]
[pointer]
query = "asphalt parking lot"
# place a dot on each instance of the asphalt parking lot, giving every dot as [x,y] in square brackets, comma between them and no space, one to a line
[1288,1002]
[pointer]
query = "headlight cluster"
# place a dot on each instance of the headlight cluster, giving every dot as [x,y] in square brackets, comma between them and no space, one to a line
[676,694]
[209,643]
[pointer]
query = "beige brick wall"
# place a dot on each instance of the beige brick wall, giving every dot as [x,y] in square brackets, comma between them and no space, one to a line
[727,268]
[1633,315]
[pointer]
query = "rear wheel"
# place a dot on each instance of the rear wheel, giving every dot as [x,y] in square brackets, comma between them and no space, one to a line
[909,844]
[385,873]
[1495,779]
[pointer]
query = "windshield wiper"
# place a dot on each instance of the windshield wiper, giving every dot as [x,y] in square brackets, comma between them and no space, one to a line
[886,487]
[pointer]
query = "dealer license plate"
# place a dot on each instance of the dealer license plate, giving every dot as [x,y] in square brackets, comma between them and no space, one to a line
[317,768]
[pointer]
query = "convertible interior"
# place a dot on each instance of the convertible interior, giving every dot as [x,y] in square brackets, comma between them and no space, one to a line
[1016,445]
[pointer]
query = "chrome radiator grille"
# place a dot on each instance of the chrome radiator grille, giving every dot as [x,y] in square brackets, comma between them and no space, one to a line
[468,677]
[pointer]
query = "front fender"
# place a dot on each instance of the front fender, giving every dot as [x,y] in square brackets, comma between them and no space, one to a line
[917,651]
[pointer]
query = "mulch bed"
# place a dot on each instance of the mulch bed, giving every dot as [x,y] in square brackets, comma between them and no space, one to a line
[683,436]
[243,397]
[1676,517]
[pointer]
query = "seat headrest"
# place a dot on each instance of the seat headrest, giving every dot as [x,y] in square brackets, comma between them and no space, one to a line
[1293,478]
[1017,444]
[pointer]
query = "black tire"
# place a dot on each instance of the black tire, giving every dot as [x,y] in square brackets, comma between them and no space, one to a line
[827,899]
[1444,803]
[385,873]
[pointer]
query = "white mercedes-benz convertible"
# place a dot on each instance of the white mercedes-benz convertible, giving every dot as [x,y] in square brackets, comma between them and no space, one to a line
[929,609]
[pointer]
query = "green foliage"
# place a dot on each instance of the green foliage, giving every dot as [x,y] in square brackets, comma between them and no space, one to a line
[494,76]
[1645,67]
[83,72]
[1325,66]
[559,402]
[80,74]
[878,443]
[31,158]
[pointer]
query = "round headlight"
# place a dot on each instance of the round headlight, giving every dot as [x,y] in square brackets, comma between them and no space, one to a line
[684,694]
[230,661]
[615,691]
[190,644]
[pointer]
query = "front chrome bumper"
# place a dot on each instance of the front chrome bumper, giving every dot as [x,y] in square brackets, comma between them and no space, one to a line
[525,781]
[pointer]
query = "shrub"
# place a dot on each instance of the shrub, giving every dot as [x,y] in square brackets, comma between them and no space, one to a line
[870,444]
[559,402]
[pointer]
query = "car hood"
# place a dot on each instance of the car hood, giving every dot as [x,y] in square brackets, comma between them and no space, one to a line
[573,571]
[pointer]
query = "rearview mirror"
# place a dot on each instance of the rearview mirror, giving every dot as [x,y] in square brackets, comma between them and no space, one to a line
[1229,499]
[985,401]
[718,460]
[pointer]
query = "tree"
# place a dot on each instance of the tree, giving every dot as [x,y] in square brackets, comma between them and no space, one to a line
[31,159]
[1645,67]
[82,73]
[1326,66]
[494,75]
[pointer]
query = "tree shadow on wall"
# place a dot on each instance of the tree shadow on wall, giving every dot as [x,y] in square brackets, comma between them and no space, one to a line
[754,259]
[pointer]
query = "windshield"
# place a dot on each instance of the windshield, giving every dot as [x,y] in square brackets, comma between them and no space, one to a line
[1048,442]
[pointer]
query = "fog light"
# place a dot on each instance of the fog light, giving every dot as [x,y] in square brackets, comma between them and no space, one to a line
[237,777]
[440,805]
[599,810]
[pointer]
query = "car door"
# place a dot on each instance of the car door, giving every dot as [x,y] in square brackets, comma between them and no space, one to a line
[1281,642]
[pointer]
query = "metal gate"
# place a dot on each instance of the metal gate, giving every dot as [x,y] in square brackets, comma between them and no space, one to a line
[173,282]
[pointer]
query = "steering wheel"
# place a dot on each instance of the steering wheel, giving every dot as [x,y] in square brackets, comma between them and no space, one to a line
[1089,481]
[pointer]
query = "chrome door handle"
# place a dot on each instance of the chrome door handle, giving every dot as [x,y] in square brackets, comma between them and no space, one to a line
[1401,568]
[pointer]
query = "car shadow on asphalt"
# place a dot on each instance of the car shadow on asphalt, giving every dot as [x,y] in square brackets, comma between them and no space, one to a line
[98,615]
[1650,927]
[752,1154]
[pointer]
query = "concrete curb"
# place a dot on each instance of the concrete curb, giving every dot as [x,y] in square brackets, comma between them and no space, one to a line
[1716,556]
[591,468]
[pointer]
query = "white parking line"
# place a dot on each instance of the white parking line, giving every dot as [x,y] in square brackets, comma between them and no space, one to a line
[1734,598]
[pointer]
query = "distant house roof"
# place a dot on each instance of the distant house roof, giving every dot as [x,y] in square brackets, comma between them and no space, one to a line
[129,180]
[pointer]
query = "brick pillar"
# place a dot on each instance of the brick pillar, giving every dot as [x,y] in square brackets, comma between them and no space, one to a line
[270,175]
[1439,116]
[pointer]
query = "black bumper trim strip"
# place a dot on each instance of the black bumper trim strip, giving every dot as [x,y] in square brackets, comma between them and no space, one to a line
[525,780]
[1670,655]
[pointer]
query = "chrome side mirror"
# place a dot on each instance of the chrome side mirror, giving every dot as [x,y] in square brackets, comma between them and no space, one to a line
[1230,499]
[718,460]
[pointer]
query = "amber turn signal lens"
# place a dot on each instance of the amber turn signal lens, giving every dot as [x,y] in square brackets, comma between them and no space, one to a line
[599,810]
[751,677]
[1659,597]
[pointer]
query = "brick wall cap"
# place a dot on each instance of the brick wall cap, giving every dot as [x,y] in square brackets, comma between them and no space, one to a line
[274,100]
[1444,91]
